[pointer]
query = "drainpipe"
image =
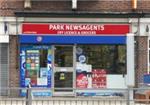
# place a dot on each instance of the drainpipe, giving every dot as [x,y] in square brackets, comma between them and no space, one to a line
[134,4]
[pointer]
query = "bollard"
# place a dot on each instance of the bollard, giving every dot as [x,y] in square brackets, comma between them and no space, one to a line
[28,95]
[128,96]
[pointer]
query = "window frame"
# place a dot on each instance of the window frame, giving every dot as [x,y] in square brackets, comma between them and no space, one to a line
[113,45]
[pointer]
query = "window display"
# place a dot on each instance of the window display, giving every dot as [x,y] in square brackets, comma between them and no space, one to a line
[83,76]
[32,66]
[99,78]
[93,62]
[36,67]
[112,58]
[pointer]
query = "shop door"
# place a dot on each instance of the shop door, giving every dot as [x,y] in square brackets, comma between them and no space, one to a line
[63,69]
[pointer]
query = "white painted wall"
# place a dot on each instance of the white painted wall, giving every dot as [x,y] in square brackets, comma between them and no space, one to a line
[13,25]
[15,29]
[2,28]
[4,39]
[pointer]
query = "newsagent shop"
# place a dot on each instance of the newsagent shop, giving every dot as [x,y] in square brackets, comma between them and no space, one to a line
[76,59]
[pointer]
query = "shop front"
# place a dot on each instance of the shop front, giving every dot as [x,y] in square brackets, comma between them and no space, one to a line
[73,59]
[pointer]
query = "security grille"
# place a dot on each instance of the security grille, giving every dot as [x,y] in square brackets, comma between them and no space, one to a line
[3,68]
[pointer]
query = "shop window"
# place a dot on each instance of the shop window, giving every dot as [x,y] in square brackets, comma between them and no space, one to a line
[94,62]
[63,56]
[111,58]
[36,65]
[43,58]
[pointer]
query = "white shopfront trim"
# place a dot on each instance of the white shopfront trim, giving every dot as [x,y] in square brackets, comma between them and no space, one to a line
[4,39]
[130,60]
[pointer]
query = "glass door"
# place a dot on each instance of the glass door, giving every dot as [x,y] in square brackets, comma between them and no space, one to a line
[63,69]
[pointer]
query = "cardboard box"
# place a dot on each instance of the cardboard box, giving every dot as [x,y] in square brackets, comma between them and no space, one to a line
[143,97]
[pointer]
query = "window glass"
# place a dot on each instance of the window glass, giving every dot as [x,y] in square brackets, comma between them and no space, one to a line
[43,58]
[111,58]
[63,79]
[36,66]
[63,56]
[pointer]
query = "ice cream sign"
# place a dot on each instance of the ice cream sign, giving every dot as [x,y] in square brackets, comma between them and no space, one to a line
[74,29]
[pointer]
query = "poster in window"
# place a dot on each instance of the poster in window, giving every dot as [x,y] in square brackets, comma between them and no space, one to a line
[99,78]
[83,73]
[43,72]
[82,80]
[27,81]
[31,70]
[41,81]
[33,81]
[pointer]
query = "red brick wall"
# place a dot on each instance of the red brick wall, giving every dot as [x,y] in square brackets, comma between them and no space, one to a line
[7,7]
[13,62]
[140,58]
[105,6]
[144,5]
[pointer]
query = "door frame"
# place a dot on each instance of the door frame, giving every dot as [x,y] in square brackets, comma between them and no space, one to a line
[55,93]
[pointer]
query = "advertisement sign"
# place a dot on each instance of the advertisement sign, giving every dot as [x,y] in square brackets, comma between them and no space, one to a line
[36,93]
[99,78]
[83,75]
[23,82]
[82,80]
[31,72]
[120,94]
[75,29]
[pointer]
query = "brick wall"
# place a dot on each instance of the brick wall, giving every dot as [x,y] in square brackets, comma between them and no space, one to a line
[13,62]
[14,66]
[100,6]
[144,6]
[140,58]
[7,7]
